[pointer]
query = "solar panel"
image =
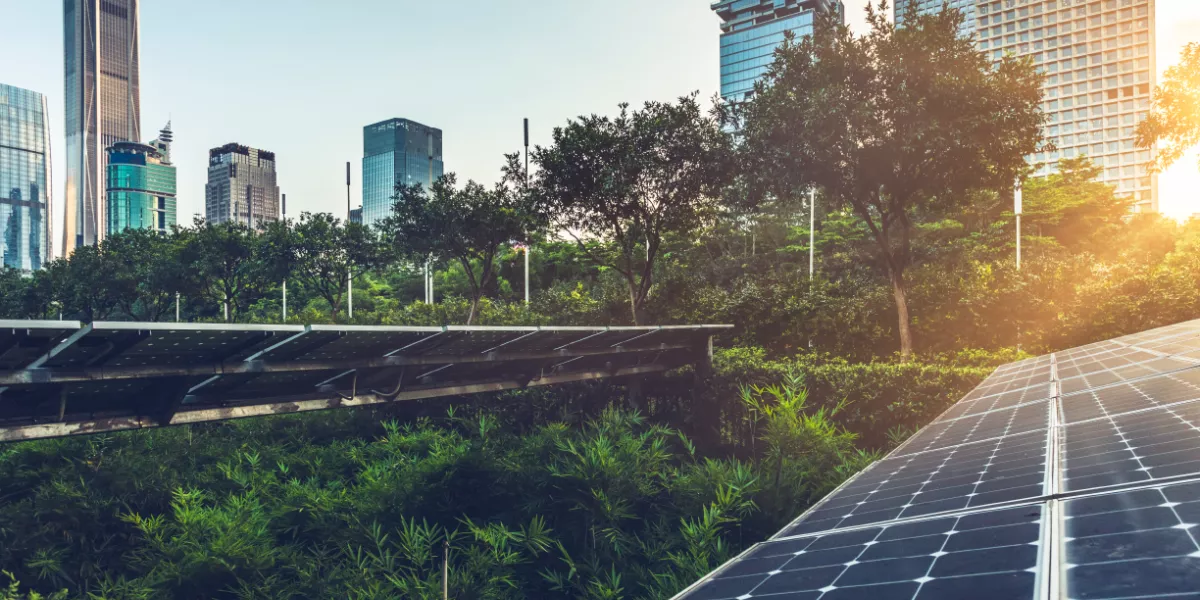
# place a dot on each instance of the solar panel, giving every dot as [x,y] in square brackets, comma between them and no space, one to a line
[64,378]
[1134,544]
[1085,464]
[988,554]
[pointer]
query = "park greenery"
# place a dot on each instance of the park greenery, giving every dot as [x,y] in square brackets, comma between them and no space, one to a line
[910,143]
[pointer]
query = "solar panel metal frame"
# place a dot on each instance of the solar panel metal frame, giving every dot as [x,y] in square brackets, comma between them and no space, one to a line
[112,376]
[1055,576]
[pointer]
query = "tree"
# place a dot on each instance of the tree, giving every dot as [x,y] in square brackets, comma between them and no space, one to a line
[1174,121]
[468,225]
[629,181]
[898,125]
[328,254]
[147,272]
[223,265]
[1074,207]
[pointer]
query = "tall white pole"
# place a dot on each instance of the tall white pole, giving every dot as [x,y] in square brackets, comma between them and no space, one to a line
[1018,201]
[176,307]
[284,214]
[349,275]
[812,233]
[528,246]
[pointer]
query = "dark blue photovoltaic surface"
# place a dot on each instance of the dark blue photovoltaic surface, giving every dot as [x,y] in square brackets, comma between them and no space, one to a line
[1074,475]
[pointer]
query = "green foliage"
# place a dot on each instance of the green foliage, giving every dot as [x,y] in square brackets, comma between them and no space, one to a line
[898,125]
[468,226]
[632,180]
[1173,125]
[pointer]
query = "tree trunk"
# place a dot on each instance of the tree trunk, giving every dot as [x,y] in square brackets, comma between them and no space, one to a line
[901,295]
[474,307]
[635,307]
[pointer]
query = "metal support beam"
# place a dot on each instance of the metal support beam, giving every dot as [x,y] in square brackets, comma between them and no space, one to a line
[188,414]
[44,376]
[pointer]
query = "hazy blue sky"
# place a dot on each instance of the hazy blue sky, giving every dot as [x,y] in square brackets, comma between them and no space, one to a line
[302,77]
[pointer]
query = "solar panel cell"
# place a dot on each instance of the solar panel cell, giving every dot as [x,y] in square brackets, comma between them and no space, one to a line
[1134,544]
[992,553]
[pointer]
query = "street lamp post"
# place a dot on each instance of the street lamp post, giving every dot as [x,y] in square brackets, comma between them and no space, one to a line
[284,207]
[349,274]
[529,245]
[812,233]
[1018,200]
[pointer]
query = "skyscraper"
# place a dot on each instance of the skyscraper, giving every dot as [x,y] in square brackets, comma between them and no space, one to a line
[141,185]
[101,51]
[1098,60]
[753,29]
[397,151]
[24,179]
[967,29]
[241,186]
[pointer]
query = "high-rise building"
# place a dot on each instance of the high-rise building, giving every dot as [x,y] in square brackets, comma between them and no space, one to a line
[24,179]
[397,151]
[967,7]
[103,106]
[1097,57]
[141,185]
[241,186]
[753,29]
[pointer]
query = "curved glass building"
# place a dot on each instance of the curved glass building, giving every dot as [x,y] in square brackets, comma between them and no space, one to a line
[751,30]
[397,151]
[24,179]
[140,187]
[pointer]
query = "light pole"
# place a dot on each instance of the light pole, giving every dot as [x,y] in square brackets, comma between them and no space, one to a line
[349,274]
[812,233]
[284,207]
[1018,200]
[529,245]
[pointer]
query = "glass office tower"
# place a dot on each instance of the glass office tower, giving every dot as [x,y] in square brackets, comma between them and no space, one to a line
[241,186]
[967,7]
[397,151]
[140,188]
[752,29]
[1098,59]
[24,179]
[101,52]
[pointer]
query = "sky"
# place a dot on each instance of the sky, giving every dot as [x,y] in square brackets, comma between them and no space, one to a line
[301,78]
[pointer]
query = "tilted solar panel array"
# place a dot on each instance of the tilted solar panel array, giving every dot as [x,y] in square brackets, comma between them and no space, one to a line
[61,378]
[1074,475]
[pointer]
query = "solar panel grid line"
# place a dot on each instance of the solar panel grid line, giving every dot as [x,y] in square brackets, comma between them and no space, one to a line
[970,476]
[1111,458]
[1052,561]
[999,552]
[1138,542]
[1140,395]
[1053,473]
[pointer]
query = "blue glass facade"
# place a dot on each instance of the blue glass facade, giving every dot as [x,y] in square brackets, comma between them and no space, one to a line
[753,29]
[967,29]
[397,151]
[24,179]
[140,187]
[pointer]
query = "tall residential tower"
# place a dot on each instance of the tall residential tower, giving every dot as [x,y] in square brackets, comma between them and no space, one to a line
[1098,60]
[101,51]
[24,179]
[397,151]
[751,30]
[241,186]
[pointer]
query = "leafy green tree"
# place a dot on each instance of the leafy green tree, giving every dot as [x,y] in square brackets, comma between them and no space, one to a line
[1073,206]
[629,181]
[468,225]
[224,266]
[326,254]
[1174,120]
[148,272]
[898,125]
